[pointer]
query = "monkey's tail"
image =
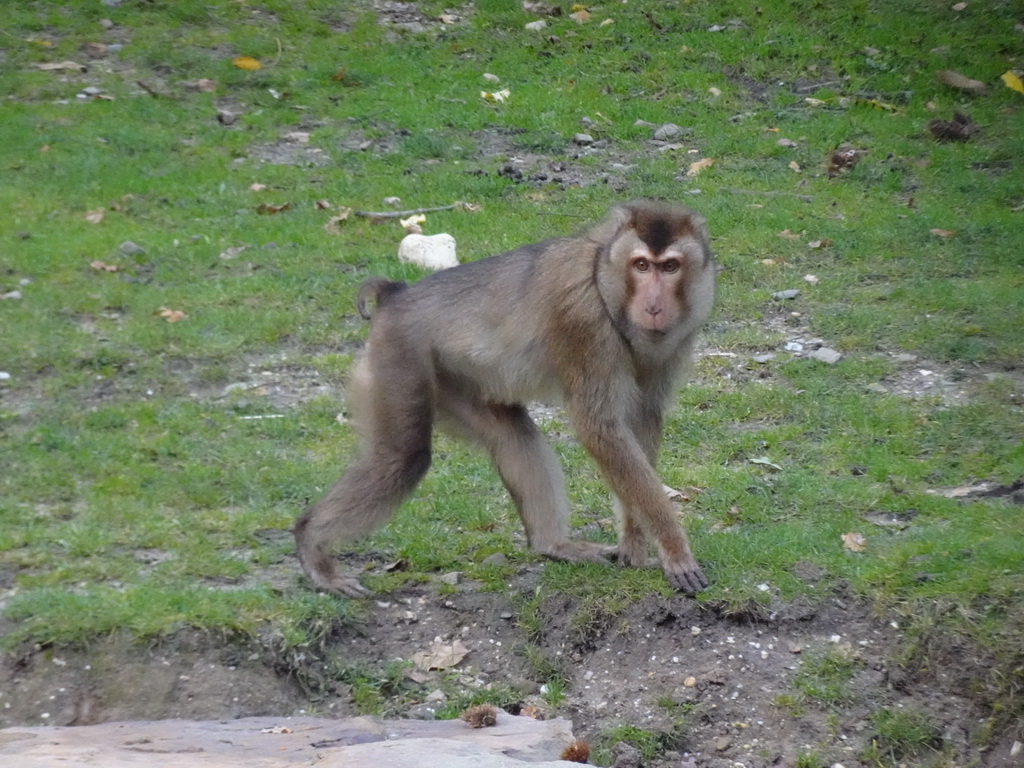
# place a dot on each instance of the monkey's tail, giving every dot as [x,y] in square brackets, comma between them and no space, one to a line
[380,289]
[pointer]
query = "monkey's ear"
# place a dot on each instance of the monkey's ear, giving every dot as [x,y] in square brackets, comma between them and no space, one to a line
[700,226]
[616,220]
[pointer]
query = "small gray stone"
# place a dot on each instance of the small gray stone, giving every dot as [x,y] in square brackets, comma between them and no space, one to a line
[792,293]
[498,558]
[764,358]
[128,248]
[452,578]
[422,712]
[825,355]
[667,132]
[91,90]
[583,139]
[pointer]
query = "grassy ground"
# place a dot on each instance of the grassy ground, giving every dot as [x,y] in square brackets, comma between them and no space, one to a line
[152,463]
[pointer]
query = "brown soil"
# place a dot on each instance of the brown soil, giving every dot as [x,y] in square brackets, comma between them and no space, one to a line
[719,688]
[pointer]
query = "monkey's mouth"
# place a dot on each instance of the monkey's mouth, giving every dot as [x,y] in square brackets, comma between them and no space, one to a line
[655,334]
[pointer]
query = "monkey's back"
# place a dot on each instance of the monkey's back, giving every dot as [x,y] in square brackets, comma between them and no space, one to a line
[466,322]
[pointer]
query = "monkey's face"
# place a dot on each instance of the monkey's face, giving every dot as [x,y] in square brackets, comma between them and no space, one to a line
[659,282]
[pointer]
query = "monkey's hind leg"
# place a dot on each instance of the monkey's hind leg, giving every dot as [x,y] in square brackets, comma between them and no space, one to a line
[533,476]
[395,459]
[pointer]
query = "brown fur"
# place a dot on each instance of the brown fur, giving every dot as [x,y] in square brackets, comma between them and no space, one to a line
[572,320]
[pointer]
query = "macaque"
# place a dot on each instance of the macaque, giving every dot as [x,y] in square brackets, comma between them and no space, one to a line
[603,323]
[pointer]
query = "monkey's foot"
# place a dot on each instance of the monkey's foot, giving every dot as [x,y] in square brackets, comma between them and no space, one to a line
[320,570]
[579,551]
[345,586]
[685,575]
[633,553]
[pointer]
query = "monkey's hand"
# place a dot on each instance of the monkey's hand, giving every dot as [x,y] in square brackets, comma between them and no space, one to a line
[686,575]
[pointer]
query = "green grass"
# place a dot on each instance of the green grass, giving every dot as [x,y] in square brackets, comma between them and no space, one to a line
[138,492]
[899,735]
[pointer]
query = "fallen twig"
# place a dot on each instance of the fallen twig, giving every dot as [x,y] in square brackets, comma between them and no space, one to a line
[457,205]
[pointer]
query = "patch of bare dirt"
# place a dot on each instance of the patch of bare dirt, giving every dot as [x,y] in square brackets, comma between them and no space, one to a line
[718,689]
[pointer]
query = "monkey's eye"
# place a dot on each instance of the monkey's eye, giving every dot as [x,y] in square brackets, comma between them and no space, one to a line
[670,266]
[641,265]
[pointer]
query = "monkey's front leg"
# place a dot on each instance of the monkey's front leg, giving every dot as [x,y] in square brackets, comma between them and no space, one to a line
[645,507]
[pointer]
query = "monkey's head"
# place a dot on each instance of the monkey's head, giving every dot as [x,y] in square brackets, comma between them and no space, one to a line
[657,275]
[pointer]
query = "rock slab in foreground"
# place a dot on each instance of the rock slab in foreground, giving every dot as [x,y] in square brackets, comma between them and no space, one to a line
[268,742]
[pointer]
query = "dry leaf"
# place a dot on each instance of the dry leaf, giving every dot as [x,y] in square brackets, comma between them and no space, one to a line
[789,235]
[854,542]
[812,279]
[269,210]
[699,166]
[232,252]
[170,315]
[960,82]
[531,711]
[673,494]
[581,16]
[257,187]
[816,244]
[321,205]
[841,159]
[248,63]
[1012,80]
[481,716]
[577,752]
[440,656]
[447,18]
[58,66]
[943,232]
[716,92]
[884,106]
[95,216]
[959,7]
[332,227]
[960,128]
[794,166]
[497,96]
[100,266]
[202,85]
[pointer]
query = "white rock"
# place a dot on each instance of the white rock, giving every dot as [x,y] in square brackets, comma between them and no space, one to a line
[429,251]
[536,26]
